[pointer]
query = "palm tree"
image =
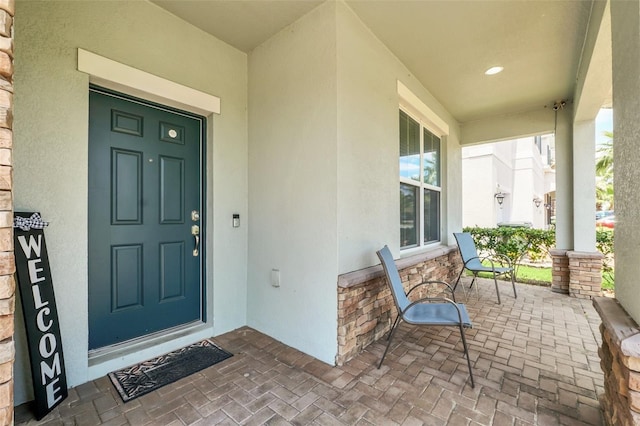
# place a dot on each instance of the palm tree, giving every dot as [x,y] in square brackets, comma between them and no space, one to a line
[604,171]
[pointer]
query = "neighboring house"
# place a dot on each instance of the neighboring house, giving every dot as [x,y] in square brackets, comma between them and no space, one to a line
[510,182]
[323,140]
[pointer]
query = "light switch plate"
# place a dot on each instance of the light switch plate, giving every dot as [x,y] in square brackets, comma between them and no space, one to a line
[275,277]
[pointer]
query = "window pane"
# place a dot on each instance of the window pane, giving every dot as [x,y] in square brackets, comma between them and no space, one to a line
[431,216]
[431,158]
[409,147]
[408,215]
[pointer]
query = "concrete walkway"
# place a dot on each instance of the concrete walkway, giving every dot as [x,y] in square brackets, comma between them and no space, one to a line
[534,358]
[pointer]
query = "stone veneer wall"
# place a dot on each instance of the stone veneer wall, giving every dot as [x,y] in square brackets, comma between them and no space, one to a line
[560,272]
[585,274]
[620,362]
[7,264]
[365,306]
[577,273]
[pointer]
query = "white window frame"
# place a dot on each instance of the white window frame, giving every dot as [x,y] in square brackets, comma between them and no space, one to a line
[429,120]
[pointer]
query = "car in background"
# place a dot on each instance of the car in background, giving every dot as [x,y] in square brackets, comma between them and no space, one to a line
[606,222]
[604,213]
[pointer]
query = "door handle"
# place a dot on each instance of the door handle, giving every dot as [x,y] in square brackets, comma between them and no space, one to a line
[195,231]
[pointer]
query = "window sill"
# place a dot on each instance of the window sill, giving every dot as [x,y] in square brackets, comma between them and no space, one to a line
[355,278]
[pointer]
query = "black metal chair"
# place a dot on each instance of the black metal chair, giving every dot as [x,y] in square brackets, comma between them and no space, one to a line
[432,311]
[499,264]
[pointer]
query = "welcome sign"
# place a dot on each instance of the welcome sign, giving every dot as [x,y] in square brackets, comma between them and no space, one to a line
[40,312]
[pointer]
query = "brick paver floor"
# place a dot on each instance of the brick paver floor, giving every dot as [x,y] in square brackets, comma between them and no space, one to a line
[534,358]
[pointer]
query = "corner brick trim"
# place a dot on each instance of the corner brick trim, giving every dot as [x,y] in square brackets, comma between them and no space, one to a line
[558,252]
[584,255]
[585,274]
[620,363]
[7,264]
[577,273]
[560,272]
[619,323]
[361,276]
[365,305]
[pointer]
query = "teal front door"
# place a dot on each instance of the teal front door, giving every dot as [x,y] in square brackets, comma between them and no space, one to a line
[145,205]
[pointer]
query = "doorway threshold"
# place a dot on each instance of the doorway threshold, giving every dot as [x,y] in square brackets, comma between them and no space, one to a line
[104,360]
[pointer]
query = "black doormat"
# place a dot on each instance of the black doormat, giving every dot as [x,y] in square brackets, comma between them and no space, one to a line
[140,379]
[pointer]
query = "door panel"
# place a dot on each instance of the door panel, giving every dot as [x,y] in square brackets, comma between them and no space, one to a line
[126,277]
[126,187]
[172,264]
[144,181]
[172,189]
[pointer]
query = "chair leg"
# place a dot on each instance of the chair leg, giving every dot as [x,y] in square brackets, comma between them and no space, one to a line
[464,292]
[392,327]
[513,283]
[495,280]
[475,275]
[393,330]
[466,353]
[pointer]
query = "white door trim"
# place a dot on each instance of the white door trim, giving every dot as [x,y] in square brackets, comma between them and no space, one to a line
[122,78]
[114,75]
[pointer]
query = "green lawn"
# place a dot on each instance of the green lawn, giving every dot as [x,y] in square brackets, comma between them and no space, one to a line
[530,274]
[542,276]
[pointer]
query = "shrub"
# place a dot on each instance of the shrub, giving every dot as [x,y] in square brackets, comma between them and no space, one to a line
[604,244]
[514,243]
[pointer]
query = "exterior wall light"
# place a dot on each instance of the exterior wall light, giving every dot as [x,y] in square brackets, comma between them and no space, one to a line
[499,197]
[537,201]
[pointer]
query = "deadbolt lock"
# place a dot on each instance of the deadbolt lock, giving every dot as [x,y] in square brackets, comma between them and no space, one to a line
[195,215]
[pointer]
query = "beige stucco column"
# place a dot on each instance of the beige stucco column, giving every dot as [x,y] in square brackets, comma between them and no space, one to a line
[584,186]
[620,351]
[576,262]
[564,200]
[564,178]
[585,262]
[625,26]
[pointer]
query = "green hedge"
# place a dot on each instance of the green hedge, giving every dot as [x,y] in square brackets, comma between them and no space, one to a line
[604,244]
[516,243]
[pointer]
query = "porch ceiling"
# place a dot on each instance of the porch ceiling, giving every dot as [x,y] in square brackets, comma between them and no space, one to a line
[447,45]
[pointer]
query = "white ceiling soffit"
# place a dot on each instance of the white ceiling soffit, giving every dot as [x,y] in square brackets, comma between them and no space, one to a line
[446,44]
[244,24]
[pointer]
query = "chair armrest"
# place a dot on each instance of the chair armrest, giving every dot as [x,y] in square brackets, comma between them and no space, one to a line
[498,258]
[430,282]
[506,259]
[470,259]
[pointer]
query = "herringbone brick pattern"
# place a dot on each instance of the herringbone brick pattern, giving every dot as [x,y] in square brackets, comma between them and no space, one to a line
[535,362]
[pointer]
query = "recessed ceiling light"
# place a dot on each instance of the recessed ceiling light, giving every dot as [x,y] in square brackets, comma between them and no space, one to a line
[493,70]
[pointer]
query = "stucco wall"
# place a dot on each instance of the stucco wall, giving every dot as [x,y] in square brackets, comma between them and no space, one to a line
[515,168]
[51,131]
[528,182]
[323,167]
[508,126]
[479,187]
[625,26]
[292,197]
[368,176]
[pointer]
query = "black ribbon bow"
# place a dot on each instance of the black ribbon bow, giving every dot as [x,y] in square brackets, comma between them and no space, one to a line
[27,223]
